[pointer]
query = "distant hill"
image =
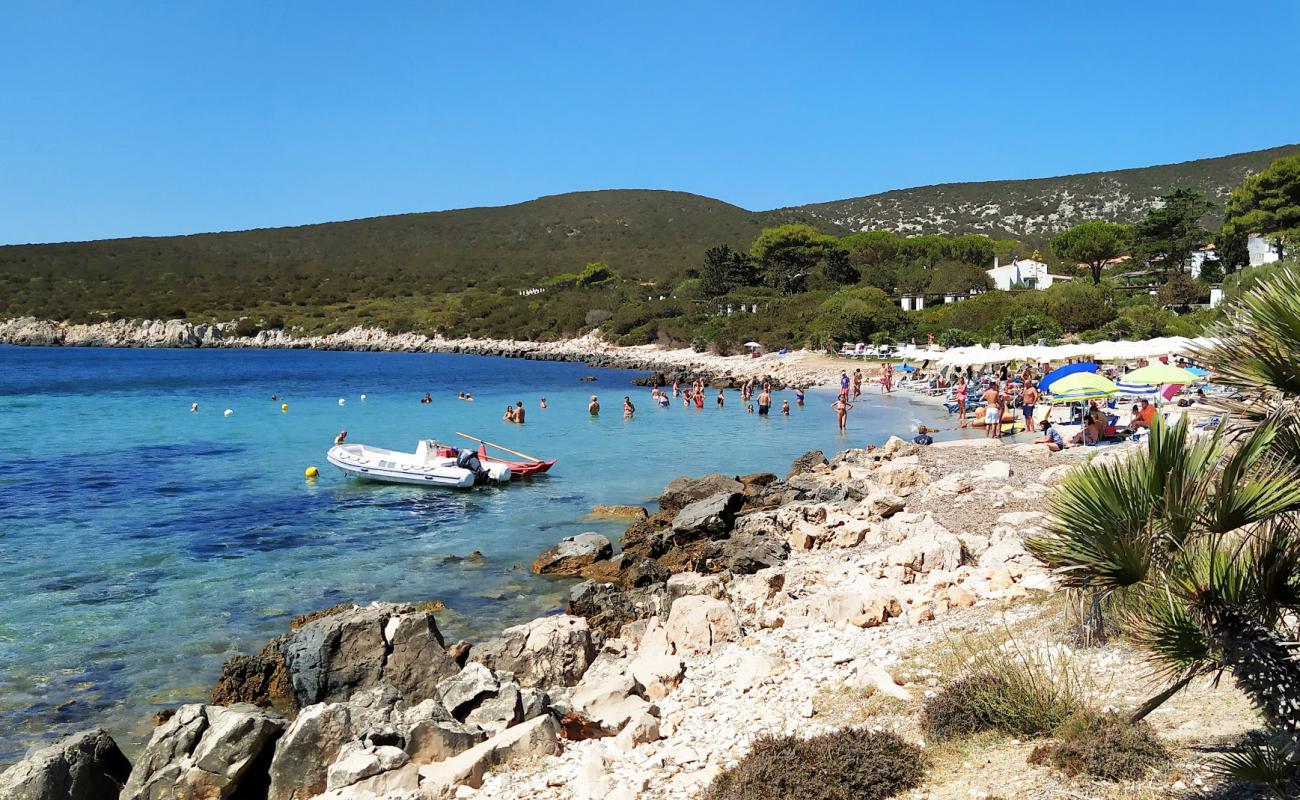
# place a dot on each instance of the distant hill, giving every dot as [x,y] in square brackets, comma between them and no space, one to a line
[643,233]
[1032,210]
[456,269]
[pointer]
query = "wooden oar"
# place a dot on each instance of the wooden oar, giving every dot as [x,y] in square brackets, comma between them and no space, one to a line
[499,447]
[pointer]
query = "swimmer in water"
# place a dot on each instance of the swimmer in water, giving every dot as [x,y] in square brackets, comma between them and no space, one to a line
[341,438]
[593,408]
[628,408]
[194,408]
[543,403]
[785,408]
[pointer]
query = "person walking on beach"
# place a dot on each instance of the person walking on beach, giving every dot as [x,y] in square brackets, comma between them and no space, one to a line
[993,411]
[842,407]
[628,408]
[962,392]
[764,402]
[1028,399]
[857,383]
[593,408]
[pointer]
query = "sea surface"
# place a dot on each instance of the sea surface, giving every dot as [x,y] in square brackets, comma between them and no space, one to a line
[142,544]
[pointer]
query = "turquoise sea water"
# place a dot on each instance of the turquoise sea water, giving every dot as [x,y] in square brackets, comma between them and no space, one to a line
[142,544]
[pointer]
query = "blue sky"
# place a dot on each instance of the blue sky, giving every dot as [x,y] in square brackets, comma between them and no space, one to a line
[143,118]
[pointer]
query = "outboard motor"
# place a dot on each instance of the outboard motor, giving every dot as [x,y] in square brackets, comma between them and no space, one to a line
[468,459]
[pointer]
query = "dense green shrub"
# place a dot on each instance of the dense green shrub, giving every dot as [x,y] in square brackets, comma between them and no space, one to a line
[1105,746]
[848,764]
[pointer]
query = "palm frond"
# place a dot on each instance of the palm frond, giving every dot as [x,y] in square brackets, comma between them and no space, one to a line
[1269,763]
[1159,622]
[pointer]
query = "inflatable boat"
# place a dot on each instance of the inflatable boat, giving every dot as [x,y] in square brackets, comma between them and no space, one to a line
[430,465]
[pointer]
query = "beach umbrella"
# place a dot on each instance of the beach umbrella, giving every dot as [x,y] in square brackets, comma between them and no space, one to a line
[1158,374]
[1132,389]
[1198,372]
[1081,386]
[752,344]
[1068,369]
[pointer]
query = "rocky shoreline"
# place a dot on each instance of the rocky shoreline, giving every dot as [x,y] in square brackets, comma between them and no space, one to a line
[728,612]
[664,364]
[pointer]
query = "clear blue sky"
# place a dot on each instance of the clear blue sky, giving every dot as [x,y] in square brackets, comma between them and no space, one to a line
[139,117]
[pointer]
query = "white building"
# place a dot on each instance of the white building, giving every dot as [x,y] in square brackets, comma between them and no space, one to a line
[1024,273]
[1261,250]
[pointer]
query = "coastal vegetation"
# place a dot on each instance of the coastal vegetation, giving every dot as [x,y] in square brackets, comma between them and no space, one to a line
[1194,542]
[678,269]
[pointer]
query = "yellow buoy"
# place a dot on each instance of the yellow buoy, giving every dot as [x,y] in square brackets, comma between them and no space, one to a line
[311,472]
[284,406]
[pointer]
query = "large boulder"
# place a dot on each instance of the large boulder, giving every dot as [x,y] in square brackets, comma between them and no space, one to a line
[536,737]
[83,766]
[206,752]
[376,770]
[572,554]
[607,703]
[683,491]
[335,656]
[463,691]
[709,517]
[549,651]
[696,624]
[607,608]
[806,463]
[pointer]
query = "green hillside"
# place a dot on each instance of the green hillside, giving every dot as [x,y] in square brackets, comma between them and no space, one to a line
[1032,210]
[462,272]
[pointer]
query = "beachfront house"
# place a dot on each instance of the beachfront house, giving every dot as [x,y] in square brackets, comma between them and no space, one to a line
[1022,273]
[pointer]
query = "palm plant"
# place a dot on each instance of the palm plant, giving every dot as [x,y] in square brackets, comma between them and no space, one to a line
[1195,540]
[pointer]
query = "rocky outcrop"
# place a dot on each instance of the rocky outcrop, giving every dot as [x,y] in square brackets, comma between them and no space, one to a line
[537,737]
[550,651]
[572,554]
[607,608]
[684,491]
[332,656]
[207,751]
[83,766]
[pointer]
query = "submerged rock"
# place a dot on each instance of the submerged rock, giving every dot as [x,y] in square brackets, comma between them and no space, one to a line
[83,766]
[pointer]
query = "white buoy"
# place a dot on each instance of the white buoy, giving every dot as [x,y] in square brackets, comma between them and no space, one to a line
[363,397]
[229,411]
[342,401]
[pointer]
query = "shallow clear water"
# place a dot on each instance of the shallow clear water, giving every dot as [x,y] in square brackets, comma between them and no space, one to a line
[141,544]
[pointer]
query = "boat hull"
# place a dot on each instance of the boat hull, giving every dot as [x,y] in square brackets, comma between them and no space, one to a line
[393,470]
[519,469]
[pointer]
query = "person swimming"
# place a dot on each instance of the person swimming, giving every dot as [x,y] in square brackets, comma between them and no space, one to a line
[628,408]
[593,408]
[543,403]
[342,437]
[427,399]
[194,408]
[519,411]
